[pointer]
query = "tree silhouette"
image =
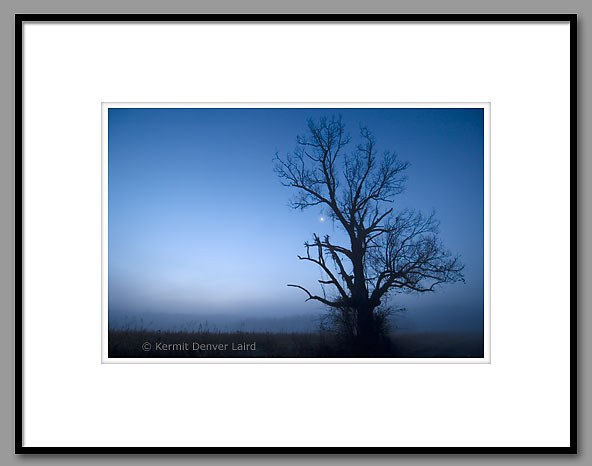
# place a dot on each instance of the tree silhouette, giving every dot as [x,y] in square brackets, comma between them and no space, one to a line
[388,252]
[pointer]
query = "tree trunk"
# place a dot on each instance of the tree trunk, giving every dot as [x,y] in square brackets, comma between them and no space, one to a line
[366,343]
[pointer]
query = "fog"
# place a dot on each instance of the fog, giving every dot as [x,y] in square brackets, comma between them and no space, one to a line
[199,228]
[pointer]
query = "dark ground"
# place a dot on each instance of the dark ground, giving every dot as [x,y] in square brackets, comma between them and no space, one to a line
[154,344]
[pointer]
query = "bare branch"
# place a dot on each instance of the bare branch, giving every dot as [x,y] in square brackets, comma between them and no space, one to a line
[317,298]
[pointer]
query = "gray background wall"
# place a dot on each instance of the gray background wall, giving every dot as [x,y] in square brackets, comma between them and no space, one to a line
[7,255]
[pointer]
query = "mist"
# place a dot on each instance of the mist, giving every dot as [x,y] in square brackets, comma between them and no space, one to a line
[200,232]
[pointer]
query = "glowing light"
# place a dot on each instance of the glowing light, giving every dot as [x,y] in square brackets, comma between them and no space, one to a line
[322,219]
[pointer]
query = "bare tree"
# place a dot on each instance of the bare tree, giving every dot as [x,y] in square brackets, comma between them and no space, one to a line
[388,252]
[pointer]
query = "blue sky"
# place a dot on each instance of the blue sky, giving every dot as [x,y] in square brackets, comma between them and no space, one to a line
[199,222]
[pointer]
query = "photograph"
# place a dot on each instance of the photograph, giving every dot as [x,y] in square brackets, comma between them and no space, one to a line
[220,249]
[334,232]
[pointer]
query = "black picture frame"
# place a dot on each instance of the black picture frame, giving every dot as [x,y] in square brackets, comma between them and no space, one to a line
[20,19]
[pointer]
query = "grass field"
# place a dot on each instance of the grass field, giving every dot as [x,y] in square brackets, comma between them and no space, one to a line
[154,344]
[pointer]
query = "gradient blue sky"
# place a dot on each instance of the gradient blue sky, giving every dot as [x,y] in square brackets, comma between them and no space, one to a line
[199,222]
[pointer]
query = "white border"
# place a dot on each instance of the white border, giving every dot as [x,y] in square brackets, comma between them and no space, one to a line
[486,106]
[520,399]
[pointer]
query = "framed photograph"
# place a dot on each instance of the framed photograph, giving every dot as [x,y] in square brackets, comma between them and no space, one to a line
[201,244]
[338,222]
